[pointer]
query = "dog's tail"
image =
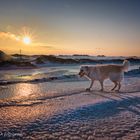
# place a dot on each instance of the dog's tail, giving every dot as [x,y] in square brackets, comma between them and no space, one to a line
[126,65]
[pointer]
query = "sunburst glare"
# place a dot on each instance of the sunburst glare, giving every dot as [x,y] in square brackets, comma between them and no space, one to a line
[26,40]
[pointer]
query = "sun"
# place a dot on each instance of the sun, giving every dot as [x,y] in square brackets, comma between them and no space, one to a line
[27,40]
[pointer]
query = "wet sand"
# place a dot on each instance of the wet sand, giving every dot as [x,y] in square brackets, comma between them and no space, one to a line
[75,115]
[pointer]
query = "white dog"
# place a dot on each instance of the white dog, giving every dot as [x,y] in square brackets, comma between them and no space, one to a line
[101,72]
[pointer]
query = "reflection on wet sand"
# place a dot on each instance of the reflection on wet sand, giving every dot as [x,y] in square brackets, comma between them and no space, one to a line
[23,90]
[18,91]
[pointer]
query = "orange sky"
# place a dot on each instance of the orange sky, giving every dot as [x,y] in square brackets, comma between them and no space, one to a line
[69,45]
[70,27]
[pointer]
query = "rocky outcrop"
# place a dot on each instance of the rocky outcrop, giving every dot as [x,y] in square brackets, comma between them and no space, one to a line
[4,56]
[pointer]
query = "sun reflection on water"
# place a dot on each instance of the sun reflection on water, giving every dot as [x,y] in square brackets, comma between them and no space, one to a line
[25,90]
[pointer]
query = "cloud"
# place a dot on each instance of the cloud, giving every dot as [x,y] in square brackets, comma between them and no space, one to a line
[48,47]
[8,35]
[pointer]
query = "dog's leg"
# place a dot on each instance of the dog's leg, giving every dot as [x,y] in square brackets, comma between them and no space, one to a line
[114,86]
[119,86]
[88,89]
[102,85]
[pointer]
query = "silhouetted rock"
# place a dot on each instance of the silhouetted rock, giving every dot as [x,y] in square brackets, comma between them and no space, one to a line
[39,60]
[54,59]
[100,55]
[4,56]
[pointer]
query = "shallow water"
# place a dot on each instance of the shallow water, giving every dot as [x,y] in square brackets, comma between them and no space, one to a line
[43,72]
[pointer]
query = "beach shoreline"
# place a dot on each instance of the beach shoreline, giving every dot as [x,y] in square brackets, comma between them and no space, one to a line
[64,113]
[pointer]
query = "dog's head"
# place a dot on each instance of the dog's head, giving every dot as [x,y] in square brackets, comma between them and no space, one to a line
[83,71]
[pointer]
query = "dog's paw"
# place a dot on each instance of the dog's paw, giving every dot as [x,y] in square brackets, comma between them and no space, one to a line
[101,90]
[87,89]
[117,91]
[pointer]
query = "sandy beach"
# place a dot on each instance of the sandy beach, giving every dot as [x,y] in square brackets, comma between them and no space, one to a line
[63,110]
